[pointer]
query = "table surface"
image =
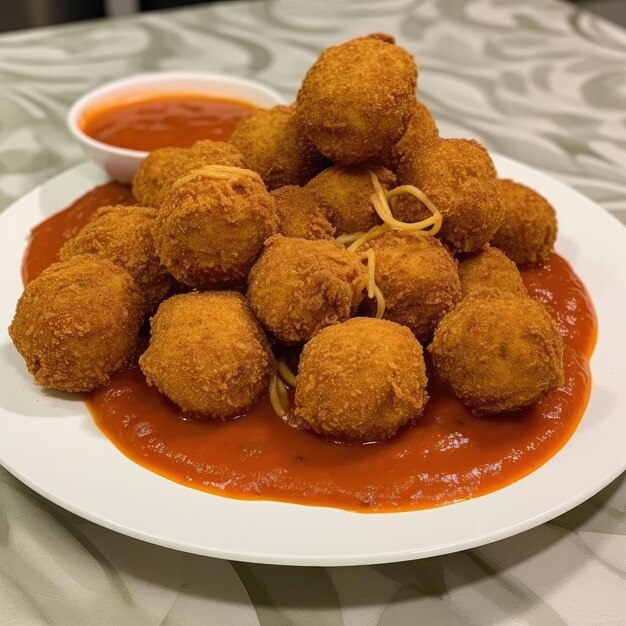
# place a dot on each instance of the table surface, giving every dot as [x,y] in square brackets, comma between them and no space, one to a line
[534,80]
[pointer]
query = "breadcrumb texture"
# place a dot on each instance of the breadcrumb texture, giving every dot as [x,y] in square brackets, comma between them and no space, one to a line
[78,323]
[302,213]
[125,236]
[498,352]
[348,191]
[418,278]
[357,99]
[361,381]
[459,177]
[210,232]
[421,129]
[529,227]
[208,354]
[273,145]
[162,167]
[489,269]
[299,286]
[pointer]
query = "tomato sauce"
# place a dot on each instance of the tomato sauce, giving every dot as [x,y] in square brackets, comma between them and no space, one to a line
[447,456]
[176,120]
[47,238]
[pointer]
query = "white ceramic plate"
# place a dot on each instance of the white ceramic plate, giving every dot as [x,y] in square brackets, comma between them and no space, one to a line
[50,442]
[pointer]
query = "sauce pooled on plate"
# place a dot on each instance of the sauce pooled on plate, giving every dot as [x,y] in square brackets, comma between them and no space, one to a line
[448,455]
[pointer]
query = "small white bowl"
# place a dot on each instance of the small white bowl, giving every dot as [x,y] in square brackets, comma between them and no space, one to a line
[122,163]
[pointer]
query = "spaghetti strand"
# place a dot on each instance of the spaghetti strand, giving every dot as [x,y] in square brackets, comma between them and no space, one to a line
[215,172]
[381,200]
[278,394]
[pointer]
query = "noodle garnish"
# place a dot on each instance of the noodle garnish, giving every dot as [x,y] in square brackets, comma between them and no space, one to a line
[371,272]
[349,238]
[373,290]
[380,200]
[286,374]
[275,398]
[279,397]
[380,302]
[282,393]
[374,232]
[216,172]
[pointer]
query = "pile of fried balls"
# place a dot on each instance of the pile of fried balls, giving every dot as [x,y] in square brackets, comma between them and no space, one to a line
[236,253]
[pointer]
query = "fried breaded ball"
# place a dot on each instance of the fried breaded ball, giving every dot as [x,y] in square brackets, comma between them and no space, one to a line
[528,230]
[208,354]
[357,99]
[459,177]
[124,235]
[302,213]
[273,145]
[489,269]
[498,352]
[361,381]
[347,191]
[163,166]
[418,279]
[78,323]
[299,286]
[421,129]
[212,225]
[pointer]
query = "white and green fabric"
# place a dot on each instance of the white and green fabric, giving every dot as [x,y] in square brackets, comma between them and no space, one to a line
[534,80]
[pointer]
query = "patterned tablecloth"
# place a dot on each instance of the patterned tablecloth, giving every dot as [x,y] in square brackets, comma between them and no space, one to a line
[535,80]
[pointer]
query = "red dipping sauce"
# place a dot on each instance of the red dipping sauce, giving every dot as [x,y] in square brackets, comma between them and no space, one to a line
[174,120]
[447,456]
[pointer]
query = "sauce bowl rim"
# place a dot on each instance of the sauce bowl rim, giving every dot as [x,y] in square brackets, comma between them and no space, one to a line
[81,104]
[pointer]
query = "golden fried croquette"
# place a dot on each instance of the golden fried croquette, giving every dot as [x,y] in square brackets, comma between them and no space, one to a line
[498,352]
[212,225]
[357,99]
[299,286]
[78,323]
[528,230]
[418,278]
[489,269]
[273,145]
[302,213]
[124,235]
[152,175]
[162,167]
[459,177]
[361,380]
[421,129]
[208,354]
[347,191]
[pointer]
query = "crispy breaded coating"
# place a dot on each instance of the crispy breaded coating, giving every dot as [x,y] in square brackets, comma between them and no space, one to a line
[273,145]
[498,352]
[360,381]
[357,99]
[210,228]
[78,323]
[489,269]
[418,278]
[163,166]
[529,228]
[124,235]
[347,191]
[299,286]
[302,213]
[153,174]
[421,129]
[208,354]
[459,177]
